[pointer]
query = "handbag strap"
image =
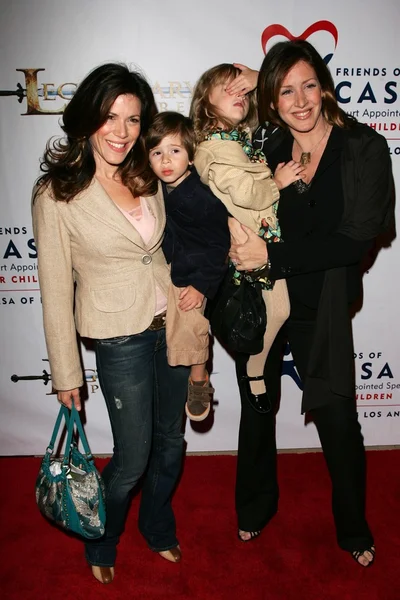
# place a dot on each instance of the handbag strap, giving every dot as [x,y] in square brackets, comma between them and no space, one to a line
[63,412]
[71,418]
[74,419]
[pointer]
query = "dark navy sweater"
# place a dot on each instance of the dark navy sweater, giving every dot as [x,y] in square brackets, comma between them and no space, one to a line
[197,239]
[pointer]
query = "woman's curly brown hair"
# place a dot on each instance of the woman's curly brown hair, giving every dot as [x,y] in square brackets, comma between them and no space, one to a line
[68,163]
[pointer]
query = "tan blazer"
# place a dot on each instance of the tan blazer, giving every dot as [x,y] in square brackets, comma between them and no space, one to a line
[89,243]
[246,188]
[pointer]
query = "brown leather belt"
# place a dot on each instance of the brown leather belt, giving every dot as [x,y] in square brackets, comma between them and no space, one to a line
[158,322]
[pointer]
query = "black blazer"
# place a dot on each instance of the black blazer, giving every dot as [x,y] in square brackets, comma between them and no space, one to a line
[197,236]
[367,183]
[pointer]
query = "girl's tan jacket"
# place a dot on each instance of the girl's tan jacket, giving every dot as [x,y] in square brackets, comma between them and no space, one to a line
[246,188]
[93,262]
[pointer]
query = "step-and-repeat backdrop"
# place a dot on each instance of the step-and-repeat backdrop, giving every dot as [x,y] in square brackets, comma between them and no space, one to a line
[47,47]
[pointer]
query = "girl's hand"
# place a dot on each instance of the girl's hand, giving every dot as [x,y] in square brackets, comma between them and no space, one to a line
[243,83]
[190,298]
[67,396]
[287,173]
[250,255]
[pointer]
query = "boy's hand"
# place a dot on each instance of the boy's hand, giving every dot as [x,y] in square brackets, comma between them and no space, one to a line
[190,298]
[285,174]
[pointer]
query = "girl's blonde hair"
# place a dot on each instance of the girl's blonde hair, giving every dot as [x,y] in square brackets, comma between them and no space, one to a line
[204,115]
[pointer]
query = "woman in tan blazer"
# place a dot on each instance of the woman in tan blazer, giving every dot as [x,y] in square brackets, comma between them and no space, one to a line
[98,221]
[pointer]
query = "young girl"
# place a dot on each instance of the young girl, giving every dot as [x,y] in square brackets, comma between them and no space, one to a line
[240,177]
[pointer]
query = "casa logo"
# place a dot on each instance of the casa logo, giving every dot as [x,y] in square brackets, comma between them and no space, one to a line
[318,29]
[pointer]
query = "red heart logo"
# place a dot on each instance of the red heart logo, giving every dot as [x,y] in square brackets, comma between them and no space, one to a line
[278,29]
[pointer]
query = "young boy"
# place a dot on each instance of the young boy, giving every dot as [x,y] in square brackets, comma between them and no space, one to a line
[196,244]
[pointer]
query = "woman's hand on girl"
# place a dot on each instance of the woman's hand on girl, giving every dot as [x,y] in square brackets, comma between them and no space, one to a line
[250,255]
[287,173]
[238,235]
[243,83]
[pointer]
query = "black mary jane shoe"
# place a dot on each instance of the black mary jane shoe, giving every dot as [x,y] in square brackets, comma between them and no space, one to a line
[260,402]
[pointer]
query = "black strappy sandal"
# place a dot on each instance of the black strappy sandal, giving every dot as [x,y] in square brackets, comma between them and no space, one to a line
[356,554]
[253,535]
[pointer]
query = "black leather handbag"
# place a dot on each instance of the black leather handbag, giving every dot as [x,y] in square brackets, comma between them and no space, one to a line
[237,315]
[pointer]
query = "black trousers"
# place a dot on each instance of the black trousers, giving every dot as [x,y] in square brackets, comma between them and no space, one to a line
[257,490]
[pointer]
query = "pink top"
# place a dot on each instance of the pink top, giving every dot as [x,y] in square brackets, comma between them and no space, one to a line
[144,222]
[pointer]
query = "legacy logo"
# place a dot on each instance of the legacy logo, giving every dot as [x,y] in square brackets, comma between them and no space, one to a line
[174,95]
[33,93]
[91,379]
[45,377]
[277,29]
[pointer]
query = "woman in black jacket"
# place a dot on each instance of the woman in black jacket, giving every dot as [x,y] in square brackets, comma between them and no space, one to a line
[329,221]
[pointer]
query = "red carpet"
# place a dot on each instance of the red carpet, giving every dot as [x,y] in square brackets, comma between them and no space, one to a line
[295,558]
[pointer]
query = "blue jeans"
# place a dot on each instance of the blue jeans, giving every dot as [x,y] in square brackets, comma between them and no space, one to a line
[145,398]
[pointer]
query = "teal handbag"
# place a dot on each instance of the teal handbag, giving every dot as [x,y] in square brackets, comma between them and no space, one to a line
[70,490]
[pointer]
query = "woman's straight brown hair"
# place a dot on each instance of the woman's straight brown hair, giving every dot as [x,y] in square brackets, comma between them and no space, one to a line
[277,63]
